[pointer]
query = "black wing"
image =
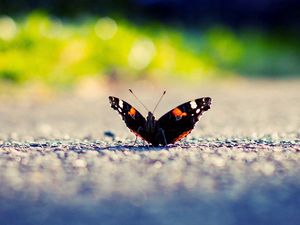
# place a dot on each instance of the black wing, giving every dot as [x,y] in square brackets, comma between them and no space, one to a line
[180,121]
[133,119]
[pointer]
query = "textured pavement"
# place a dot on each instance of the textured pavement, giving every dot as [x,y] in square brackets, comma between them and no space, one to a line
[70,159]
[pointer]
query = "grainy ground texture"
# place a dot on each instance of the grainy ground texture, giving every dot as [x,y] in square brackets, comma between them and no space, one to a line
[70,159]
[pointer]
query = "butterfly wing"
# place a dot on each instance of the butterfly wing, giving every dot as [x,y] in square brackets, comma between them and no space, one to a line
[133,119]
[180,121]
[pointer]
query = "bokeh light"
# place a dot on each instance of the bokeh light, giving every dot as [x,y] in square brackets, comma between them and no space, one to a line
[8,28]
[141,54]
[106,28]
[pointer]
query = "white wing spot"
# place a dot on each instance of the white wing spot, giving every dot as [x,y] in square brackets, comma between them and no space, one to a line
[193,104]
[121,103]
[120,110]
[197,111]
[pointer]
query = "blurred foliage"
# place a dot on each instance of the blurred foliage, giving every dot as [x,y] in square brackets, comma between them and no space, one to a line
[41,48]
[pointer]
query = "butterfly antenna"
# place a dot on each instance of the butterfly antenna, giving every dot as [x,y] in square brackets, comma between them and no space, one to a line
[159,101]
[139,100]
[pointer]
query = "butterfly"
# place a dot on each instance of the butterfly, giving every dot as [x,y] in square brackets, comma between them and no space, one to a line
[168,129]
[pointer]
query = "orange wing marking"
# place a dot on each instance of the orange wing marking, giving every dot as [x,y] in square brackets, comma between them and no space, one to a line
[183,135]
[132,112]
[178,113]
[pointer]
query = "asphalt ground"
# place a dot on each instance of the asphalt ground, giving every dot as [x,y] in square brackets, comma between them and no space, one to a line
[70,159]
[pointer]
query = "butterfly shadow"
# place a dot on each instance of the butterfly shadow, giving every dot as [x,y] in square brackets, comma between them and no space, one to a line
[137,147]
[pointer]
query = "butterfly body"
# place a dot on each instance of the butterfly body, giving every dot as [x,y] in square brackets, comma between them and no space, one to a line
[170,128]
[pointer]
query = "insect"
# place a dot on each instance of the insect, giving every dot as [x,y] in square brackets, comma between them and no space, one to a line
[170,128]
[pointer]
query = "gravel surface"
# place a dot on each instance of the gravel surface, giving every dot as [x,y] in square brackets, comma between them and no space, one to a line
[70,160]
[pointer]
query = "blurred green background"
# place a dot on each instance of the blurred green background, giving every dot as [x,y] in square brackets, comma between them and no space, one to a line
[60,43]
